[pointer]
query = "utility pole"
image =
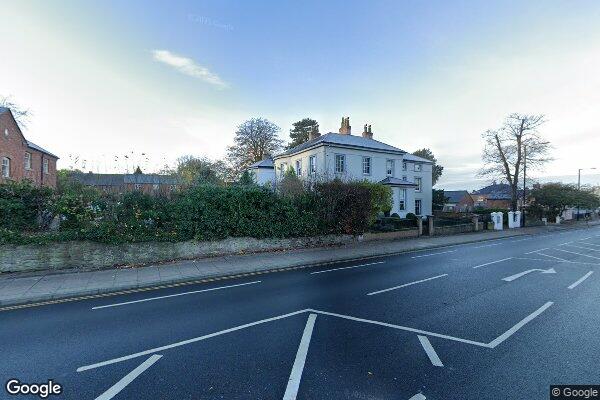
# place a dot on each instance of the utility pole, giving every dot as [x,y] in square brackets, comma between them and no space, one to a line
[524,183]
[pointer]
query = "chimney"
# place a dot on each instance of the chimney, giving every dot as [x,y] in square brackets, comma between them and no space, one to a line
[367,132]
[345,129]
[314,133]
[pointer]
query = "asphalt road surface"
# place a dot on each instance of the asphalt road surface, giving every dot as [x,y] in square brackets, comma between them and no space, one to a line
[500,319]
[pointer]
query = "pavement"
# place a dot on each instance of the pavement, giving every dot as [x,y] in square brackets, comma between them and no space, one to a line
[19,289]
[495,319]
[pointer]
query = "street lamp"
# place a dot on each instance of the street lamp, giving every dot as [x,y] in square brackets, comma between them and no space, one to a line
[579,185]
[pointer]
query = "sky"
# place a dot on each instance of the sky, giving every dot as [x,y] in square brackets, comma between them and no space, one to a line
[158,80]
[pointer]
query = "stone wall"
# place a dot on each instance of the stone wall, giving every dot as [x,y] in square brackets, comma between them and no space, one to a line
[454,229]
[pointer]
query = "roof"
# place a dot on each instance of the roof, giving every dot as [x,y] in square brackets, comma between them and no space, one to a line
[496,191]
[3,110]
[34,146]
[455,196]
[396,182]
[343,140]
[92,179]
[412,157]
[266,163]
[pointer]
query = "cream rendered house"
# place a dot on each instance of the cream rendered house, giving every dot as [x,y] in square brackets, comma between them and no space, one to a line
[352,157]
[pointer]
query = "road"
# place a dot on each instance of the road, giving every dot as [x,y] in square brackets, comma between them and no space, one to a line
[500,319]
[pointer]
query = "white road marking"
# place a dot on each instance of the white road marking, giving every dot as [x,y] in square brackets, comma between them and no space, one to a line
[434,254]
[188,341]
[552,261]
[583,278]
[127,379]
[591,244]
[548,255]
[579,254]
[294,381]
[174,295]
[433,357]
[406,284]
[520,274]
[493,262]
[519,325]
[354,266]
[584,248]
[402,328]
[418,396]
[488,245]
[535,251]
[564,244]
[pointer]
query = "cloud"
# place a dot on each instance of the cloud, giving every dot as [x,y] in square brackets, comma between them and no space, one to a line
[189,67]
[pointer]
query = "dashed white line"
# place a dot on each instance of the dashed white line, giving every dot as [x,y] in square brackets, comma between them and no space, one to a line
[353,266]
[127,379]
[552,261]
[293,385]
[519,325]
[579,254]
[433,357]
[434,254]
[583,278]
[493,262]
[406,284]
[584,248]
[548,255]
[590,244]
[535,251]
[174,295]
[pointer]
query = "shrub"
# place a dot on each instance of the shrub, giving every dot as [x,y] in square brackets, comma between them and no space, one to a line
[411,217]
[21,204]
[381,198]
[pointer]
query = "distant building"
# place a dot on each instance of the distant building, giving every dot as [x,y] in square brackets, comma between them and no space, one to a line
[21,159]
[458,201]
[263,171]
[496,195]
[153,184]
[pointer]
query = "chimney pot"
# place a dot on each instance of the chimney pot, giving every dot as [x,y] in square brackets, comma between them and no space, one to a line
[367,132]
[345,129]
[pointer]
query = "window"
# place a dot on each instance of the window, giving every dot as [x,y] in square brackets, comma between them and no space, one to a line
[389,167]
[138,186]
[366,165]
[403,177]
[418,183]
[27,161]
[418,207]
[299,167]
[5,167]
[155,186]
[312,165]
[6,132]
[282,168]
[402,203]
[404,166]
[45,167]
[340,163]
[417,167]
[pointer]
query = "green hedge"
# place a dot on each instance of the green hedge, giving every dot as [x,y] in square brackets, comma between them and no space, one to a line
[206,212]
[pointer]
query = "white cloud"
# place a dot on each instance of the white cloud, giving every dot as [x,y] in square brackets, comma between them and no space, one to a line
[189,67]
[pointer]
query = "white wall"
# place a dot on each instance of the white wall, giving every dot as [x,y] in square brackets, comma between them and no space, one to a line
[263,176]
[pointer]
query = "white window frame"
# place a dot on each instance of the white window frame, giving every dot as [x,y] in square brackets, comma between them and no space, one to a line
[402,202]
[390,166]
[366,165]
[5,167]
[46,166]
[312,165]
[6,132]
[282,169]
[340,167]
[27,160]
[418,206]
[419,183]
[299,167]
[418,167]
[404,165]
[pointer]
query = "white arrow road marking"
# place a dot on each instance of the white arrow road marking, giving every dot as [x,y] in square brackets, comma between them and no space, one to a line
[406,284]
[174,295]
[583,278]
[520,274]
[127,379]
[294,382]
[418,396]
[433,357]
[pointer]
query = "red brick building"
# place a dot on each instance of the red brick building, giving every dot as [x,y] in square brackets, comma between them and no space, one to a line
[21,159]
[152,184]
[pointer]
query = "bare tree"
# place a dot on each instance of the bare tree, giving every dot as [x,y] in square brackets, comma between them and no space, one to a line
[507,148]
[255,140]
[21,115]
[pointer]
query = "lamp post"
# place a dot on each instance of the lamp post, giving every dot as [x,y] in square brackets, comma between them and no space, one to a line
[579,185]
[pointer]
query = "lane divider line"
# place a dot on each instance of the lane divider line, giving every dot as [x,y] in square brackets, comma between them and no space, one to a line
[434,254]
[353,266]
[406,284]
[174,295]
[583,278]
[494,343]
[291,391]
[433,357]
[493,262]
[127,379]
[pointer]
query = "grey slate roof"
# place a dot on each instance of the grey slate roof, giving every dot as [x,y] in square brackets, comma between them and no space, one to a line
[455,196]
[92,179]
[38,148]
[412,157]
[3,110]
[497,191]
[396,182]
[331,138]
[266,163]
